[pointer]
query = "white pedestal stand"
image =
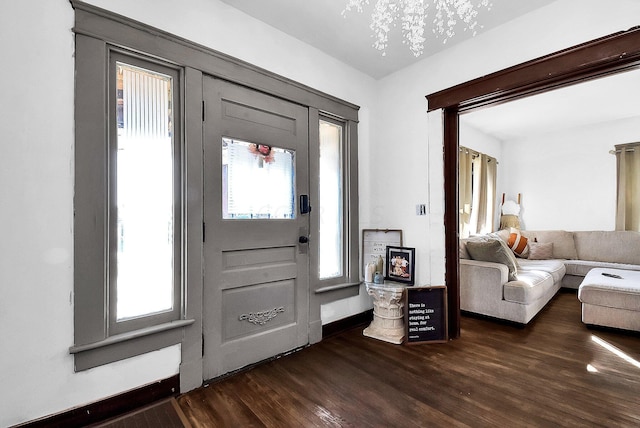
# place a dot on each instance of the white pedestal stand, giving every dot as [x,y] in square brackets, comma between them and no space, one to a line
[388,312]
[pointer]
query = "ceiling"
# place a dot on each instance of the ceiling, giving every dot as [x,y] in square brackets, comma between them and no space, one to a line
[319,23]
[596,101]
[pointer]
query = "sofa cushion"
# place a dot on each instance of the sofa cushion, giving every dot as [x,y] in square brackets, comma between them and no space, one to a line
[540,251]
[608,246]
[462,243]
[502,234]
[601,290]
[556,268]
[563,244]
[530,286]
[582,267]
[493,250]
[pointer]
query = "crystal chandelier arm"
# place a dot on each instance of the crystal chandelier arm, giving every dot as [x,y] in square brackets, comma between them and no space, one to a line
[413,22]
[354,4]
[412,15]
[385,12]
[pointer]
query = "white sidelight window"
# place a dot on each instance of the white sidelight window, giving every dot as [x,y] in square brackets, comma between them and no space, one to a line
[129,206]
[143,268]
[331,204]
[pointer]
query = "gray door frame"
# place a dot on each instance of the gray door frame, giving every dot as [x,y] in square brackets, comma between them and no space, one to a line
[106,29]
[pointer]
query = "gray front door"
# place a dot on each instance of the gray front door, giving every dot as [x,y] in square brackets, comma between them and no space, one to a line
[256,279]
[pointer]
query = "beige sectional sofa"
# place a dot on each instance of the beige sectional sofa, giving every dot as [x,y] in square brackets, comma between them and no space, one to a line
[485,287]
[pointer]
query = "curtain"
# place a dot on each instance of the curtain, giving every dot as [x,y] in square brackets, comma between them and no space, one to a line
[487,194]
[628,187]
[465,187]
[477,192]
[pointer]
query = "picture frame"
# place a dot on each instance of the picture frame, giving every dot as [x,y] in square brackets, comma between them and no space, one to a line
[425,317]
[401,264]
[374,244]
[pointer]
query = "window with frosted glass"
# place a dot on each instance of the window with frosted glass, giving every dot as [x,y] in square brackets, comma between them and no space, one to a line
[257,181]
[331,181]
[144,271]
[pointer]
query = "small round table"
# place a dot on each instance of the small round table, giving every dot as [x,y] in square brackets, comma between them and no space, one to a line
[388,312]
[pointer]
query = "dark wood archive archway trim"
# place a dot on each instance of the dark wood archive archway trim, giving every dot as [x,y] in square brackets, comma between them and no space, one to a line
[607,55]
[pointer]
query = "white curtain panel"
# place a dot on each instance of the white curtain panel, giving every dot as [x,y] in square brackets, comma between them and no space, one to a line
[464,191]
[477,192]
[628,187]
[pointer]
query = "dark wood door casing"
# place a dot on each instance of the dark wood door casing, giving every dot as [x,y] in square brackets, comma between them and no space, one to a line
[611,54]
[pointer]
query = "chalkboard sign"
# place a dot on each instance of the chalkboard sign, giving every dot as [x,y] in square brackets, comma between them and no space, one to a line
[425,314]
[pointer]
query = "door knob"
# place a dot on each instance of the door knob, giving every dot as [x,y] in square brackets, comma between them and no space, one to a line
[303,239]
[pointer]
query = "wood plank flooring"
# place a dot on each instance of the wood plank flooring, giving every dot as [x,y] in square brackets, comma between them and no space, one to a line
[547,374]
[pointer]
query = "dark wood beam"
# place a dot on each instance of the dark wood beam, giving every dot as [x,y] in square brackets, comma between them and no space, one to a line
[585,61]
[452,268]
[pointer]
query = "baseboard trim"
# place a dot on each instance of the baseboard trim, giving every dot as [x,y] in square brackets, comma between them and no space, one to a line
[340,326]
[110,407]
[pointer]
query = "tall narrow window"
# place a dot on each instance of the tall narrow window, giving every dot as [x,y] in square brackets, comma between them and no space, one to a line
[331,192]
[129,251]
[144,221]
[477,189]
[628,187]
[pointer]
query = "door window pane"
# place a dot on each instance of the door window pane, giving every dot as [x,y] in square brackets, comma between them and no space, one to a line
[257,181]
[144,186]
[331,201]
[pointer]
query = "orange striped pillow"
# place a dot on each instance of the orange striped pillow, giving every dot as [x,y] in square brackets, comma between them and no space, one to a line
[518,243]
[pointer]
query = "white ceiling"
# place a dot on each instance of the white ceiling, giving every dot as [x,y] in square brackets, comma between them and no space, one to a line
[319,23]
[602,100]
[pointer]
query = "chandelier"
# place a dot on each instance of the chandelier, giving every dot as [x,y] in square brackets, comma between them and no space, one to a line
[412,15]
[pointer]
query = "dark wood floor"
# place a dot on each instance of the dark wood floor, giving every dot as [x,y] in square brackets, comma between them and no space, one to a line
[549,373]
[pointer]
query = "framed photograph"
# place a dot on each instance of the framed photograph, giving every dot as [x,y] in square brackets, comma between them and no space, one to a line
[401,265]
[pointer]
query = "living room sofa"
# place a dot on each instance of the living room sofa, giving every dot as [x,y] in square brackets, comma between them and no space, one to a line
[517,293]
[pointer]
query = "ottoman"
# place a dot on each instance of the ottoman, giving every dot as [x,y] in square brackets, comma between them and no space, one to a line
[611,302]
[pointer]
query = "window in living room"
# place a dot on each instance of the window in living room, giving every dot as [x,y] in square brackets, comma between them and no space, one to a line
[477,192]
[628,187]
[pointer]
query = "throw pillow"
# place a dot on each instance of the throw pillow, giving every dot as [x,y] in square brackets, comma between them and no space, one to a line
[540,250]
[494,250]
[518,243]
[462,249]
[564,246]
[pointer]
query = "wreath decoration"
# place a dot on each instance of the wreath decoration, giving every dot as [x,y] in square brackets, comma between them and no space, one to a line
[264,152]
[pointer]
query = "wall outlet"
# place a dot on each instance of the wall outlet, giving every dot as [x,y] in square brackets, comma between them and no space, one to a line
[421,209]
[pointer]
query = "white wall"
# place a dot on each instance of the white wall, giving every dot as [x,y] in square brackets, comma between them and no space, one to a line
[401,126]
[36,172]
[477,140]
[567,179]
